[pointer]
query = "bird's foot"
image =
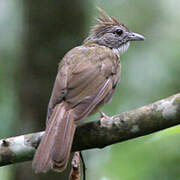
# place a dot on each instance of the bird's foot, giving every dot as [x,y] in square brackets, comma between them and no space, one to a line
[105,121]
[104,116]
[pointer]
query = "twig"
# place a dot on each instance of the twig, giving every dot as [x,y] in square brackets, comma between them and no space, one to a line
[83,166]
[75,173]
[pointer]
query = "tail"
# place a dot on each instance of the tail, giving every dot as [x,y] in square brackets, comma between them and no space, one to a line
[55,146]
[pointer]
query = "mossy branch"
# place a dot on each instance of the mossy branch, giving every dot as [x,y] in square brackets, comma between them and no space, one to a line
[138,122]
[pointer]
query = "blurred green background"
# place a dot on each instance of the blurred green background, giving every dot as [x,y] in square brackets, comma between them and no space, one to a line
[35,35]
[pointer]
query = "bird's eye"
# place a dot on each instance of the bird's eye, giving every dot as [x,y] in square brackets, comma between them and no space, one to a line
[119,32]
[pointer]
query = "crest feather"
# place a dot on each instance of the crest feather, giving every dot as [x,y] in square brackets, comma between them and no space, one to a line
[105,19]
[105,22]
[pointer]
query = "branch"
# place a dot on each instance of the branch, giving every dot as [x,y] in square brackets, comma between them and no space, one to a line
[138,122]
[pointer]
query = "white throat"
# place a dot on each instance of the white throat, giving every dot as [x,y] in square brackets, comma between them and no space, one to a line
[122,49]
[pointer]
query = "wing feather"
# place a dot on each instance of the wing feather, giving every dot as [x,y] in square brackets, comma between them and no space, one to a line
[84,80]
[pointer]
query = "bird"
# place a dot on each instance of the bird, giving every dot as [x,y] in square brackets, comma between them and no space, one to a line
[86,80]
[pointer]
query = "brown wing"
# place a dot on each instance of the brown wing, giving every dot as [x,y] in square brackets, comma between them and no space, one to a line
[59,90]
[86,77]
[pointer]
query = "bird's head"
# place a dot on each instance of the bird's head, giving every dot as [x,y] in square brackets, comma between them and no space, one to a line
[111,33]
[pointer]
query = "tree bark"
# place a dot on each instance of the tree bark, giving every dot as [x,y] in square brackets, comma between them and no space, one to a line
[138,122]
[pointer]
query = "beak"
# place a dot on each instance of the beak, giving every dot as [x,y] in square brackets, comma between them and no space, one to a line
[136,37]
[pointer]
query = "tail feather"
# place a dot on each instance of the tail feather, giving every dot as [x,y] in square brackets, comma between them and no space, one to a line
[56,142]
[62,147]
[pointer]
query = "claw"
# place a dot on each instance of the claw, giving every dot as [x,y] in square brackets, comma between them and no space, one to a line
[103,115]
[105,120]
